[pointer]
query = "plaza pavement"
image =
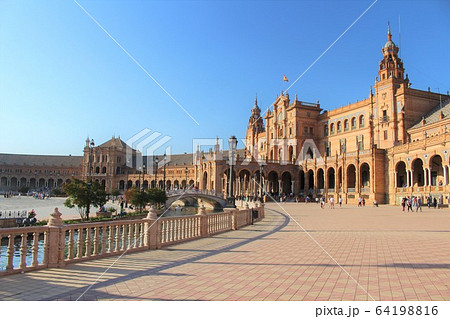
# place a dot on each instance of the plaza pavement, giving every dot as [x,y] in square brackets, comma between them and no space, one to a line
[392,255]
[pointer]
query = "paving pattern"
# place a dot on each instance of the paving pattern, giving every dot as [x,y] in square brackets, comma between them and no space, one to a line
[385,254]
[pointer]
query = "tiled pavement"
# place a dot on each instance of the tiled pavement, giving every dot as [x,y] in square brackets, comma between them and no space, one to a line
[392,255]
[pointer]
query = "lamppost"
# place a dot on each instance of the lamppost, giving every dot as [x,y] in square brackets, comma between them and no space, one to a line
[89,184]
[261,167]
[232,143]
[91,149]
[186,184]
[164,173]
[156,173]
[36,185]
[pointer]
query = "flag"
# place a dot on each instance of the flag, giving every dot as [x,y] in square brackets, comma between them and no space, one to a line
[285,79]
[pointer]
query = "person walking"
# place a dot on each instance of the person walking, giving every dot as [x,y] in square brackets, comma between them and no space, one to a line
[332,202]
[419,204]
[403,203]
[340,201]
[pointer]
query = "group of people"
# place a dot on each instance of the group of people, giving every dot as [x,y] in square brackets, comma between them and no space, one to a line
[40,195]
[414,203]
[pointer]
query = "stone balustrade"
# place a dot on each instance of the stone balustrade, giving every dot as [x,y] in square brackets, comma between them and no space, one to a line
[57,244]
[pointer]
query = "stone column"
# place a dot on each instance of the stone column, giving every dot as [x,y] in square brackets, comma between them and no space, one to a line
[425,180]
[444,167]
[55,246]
[203,222]
[280,190]
[408,179]
[151,233]
[292,186]
[429,176]
[396,179]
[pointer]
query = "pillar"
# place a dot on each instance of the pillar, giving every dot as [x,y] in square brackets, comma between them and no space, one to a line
[445,174]
[279,187]
[425,179]
[292,187]
[396,179]
[429,176]
[408,179]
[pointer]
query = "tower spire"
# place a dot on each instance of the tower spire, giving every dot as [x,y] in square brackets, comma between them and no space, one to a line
[389,35]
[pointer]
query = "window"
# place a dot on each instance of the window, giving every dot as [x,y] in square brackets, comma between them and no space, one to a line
[327,148]
[360,142]
[346,125]
[339,127]
[385,135]
[305,130]
[353,123]
[361,121]
[332,128]
[311,131]
[343,145]
[325,130]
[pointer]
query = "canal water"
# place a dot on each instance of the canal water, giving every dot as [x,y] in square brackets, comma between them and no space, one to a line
[173,212]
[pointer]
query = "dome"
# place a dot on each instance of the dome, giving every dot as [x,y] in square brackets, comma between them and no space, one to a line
[389,44]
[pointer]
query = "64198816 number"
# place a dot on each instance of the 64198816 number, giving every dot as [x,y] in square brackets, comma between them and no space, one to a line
[407,310]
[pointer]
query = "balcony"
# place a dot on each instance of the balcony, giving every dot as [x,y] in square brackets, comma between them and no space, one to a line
[384,119]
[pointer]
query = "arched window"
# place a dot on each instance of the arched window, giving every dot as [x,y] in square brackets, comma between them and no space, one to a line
[353,123]
[339,127]
[346,125]
[325,130]
[103,170]
[361,121]
[332,128]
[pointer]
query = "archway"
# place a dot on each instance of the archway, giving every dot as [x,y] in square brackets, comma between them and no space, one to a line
[244,182]
[176,185]
[145,184]
[437,171]
[301,180]
[121,185]
[339,179]
[311,180]
[168,185]
[418,177]
[401,174]
[23,182]
[272,179]
[364,176]
[4,182]
[351,178]
[320,180]
[331,179]
[286,183]
[129,184]
[41,183]
[50,183]
[32,183]
[205,181]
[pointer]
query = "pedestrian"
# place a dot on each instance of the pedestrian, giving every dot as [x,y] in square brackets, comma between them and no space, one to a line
[331,202]
[434,202]
[375,203]
[322,202]
[419,204]
[409,204]
[403,203]
[359,202]
[340,201]
[363,202]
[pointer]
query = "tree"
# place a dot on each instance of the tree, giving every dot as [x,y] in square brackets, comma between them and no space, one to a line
[115,192]
[140,198]
[137,197]
[84,194]
[157,196]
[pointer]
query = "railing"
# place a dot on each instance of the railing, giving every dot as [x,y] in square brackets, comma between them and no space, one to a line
[178,229]
[55,245]
[13,214]
[218,223]
[351,190]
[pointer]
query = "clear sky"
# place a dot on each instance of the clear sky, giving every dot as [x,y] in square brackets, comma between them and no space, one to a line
[62,78]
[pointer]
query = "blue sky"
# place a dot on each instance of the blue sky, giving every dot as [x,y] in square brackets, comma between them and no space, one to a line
[62,78]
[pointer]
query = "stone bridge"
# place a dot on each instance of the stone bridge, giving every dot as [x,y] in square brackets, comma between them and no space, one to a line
[215,199]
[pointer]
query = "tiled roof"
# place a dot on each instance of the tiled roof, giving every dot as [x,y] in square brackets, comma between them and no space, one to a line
[40,160]
[435,114]
[114,142]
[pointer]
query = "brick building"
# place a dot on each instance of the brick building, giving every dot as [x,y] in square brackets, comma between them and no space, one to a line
[387,146]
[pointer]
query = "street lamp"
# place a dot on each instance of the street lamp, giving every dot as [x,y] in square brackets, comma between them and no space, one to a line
[261,167]
[164,173]
[91,149]
[156,174]
[232,143]
[185,184]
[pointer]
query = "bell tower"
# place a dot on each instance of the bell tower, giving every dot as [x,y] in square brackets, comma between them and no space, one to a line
[391,66]
[255,127]
[388,113]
